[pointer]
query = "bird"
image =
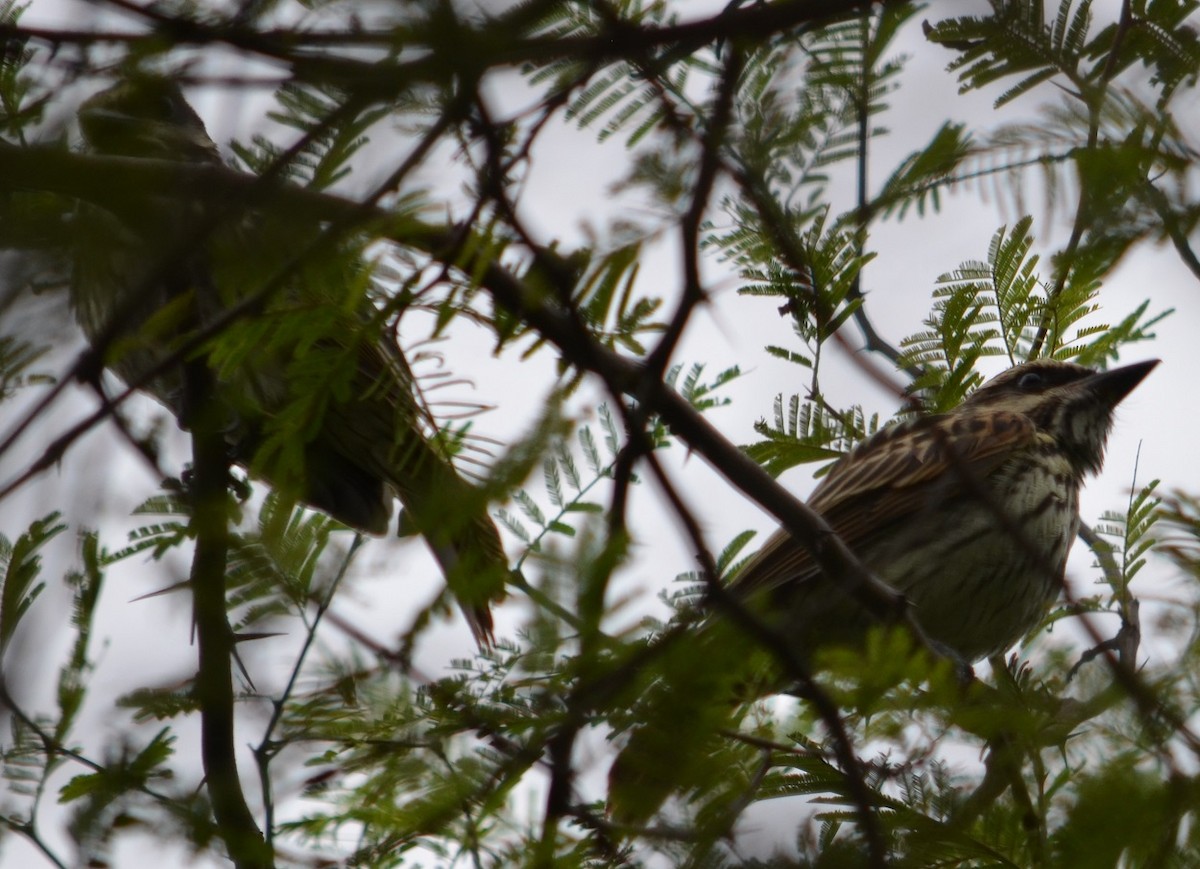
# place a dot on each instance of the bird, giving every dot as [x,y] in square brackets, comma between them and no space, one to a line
[970,514]
[317,397]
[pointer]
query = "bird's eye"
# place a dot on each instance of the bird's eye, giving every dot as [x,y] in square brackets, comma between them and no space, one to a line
[1030,381]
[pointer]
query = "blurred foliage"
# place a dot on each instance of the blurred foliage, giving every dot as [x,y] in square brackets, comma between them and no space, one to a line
[750,138]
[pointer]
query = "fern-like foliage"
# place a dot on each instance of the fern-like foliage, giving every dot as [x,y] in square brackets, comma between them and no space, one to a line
[85,585]
[275,569]
[20,566]
[1102,135]
[561,466]
[602,287]
[101,797]
[807,97]
[821,298]
[570,492]
[1131,536]
[20,106]
[17,358]
[621,94]
[1180,515]
[919,178]
[996,307]
[1160,39]
[807,432]
[1017,40]
[330,136]
[686,596]
[810,103]
[1120,541]
[699,393]
[41,746]
[980,309]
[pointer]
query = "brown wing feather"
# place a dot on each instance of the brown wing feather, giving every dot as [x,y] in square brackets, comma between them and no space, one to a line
[880,481]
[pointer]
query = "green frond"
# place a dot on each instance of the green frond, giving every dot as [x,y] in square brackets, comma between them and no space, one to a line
[17,358]
[127,774]
[648,120]
[1024,86]
[804,432]
[1130,534]
[565,462]
[729,553]
[20,569]
[1163,42]
[26,763]
[19,108]
[591,452]
[85,586]
[996,307]
[553,481]
[159,704]
[1017,40]
[793,356]
[1180,516]
[700,395]
[1106,346]
[559,463]
[530,508]
[324,158]
[604,287]
[515,526]
[612,431]
[618,93]
[919,177]
[822,299]
[600,95]
[291,541]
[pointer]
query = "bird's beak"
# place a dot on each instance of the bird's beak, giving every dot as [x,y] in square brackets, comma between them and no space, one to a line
[1112,386]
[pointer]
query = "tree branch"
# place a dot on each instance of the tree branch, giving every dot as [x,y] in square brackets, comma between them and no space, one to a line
[214,679]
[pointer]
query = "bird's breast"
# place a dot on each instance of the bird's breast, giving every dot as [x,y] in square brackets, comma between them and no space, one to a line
[980,567]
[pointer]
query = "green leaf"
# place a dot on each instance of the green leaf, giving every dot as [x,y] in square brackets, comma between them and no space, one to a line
[20,566]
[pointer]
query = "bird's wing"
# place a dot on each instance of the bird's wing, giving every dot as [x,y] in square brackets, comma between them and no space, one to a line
[887,478]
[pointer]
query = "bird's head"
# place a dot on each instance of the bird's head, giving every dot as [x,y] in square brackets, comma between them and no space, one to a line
[1071,403]
[146,117]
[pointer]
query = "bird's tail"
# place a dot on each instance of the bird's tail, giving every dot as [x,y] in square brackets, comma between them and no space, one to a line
[451,514]
[475,569]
